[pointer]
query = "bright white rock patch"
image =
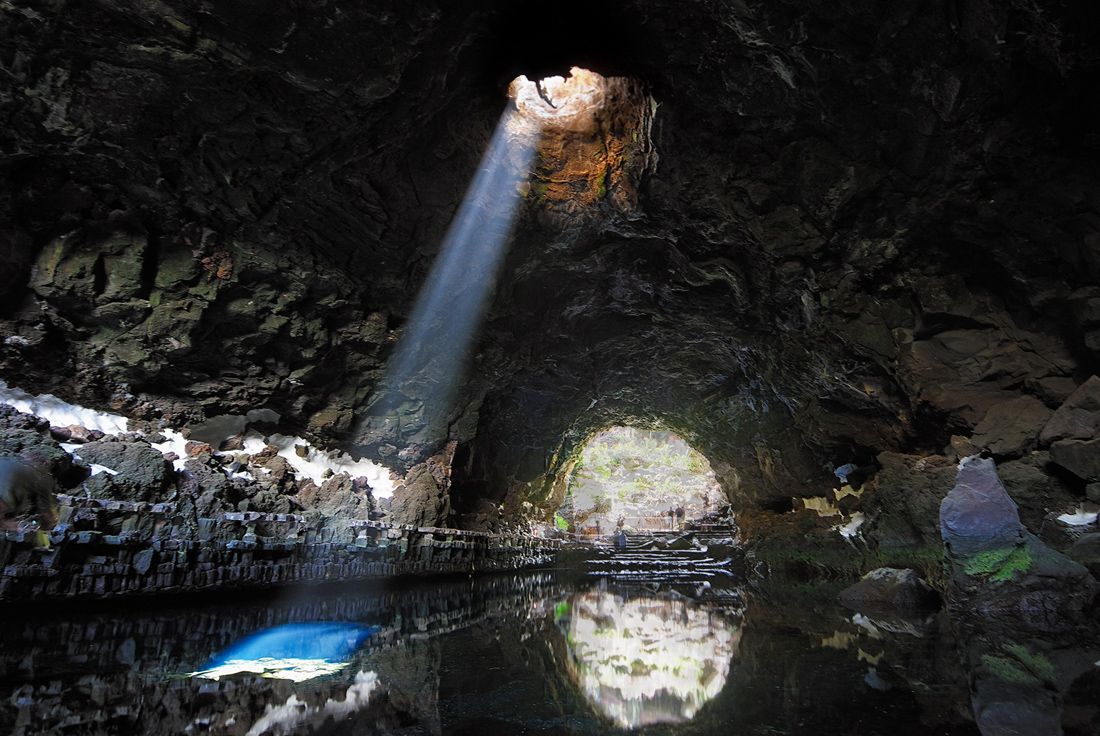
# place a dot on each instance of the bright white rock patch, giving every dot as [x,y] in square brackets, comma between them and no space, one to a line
[60,413]
[176,443]
[1079,517]
[214,431]
[851,529]
[316,462]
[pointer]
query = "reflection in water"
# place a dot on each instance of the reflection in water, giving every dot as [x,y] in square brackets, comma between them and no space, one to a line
[296,652]
[643,660]
[495,655]
[294,714]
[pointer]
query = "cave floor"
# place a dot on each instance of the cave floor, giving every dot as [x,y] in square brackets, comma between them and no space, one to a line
[537,653]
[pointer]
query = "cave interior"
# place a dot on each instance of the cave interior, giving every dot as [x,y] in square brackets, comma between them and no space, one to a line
[387,268]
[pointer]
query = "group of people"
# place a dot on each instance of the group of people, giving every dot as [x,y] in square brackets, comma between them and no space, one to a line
[676,517]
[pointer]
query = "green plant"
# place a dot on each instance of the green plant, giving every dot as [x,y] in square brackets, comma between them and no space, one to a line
[999,564]
[1036,664]
[1007,670]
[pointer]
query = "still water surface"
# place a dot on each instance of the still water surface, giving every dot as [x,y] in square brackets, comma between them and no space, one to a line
[528,654]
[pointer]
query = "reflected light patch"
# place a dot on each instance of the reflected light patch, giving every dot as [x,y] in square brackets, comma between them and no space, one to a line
[296,652]
[649,660]
[295,670]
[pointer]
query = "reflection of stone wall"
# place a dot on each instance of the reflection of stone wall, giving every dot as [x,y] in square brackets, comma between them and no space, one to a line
[110,548]
[134,663]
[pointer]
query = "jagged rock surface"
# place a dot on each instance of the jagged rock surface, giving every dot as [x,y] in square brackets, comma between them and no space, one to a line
[856,230]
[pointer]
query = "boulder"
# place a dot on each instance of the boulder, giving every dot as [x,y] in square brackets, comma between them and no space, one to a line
[1034,490]
[998,570]
[959,447]
[1078,418]
[1086,550]
[140,472]
[1011,428]
[420,500]
[340,496]
[1080,457]
[978,513]
[905,497]
[888,588]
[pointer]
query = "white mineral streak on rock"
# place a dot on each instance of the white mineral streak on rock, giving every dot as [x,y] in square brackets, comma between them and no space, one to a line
[214,431]
[316,462]
[60,413]
[176,443]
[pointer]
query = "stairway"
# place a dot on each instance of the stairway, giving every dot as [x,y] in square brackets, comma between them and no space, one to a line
[664,555]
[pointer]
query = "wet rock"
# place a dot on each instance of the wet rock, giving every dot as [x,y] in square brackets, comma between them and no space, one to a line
[280,475]
[890,589]
[197,449]
[1011,428]
[76,434]
[1008,709]
[16,256]
[1078,418]
[1080,457]
[11,418]
[978,513]
[27,437]
[233,444]
[270,500]
[1052,390]
[204,480]
[849,503]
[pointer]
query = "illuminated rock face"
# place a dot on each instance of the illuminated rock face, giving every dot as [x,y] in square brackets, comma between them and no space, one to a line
[595,143]
[649,660]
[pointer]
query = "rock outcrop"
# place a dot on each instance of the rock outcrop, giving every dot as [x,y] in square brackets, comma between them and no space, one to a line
[890,589]
[1019,608]
[997,567]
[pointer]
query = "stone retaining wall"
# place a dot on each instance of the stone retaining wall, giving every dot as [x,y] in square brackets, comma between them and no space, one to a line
[107,548]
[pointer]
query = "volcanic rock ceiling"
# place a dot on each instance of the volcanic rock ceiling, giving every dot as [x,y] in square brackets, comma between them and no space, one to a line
[839,228]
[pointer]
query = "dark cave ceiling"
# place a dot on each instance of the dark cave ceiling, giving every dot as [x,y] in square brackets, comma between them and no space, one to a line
[857,229]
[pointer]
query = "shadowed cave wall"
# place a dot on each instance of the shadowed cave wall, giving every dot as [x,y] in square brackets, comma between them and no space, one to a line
[854,232]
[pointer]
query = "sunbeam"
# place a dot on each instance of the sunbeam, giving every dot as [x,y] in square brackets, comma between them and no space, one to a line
[432,353]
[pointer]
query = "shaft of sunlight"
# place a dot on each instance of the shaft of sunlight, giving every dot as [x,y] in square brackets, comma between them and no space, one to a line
[431,355]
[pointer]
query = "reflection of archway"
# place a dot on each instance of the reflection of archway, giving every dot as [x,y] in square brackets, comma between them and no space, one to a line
[647,659]
[638,476]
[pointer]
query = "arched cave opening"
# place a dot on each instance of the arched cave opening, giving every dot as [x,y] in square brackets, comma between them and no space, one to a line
[638,480]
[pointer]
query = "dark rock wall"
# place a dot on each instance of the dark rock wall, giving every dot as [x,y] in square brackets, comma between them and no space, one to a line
[866,228]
